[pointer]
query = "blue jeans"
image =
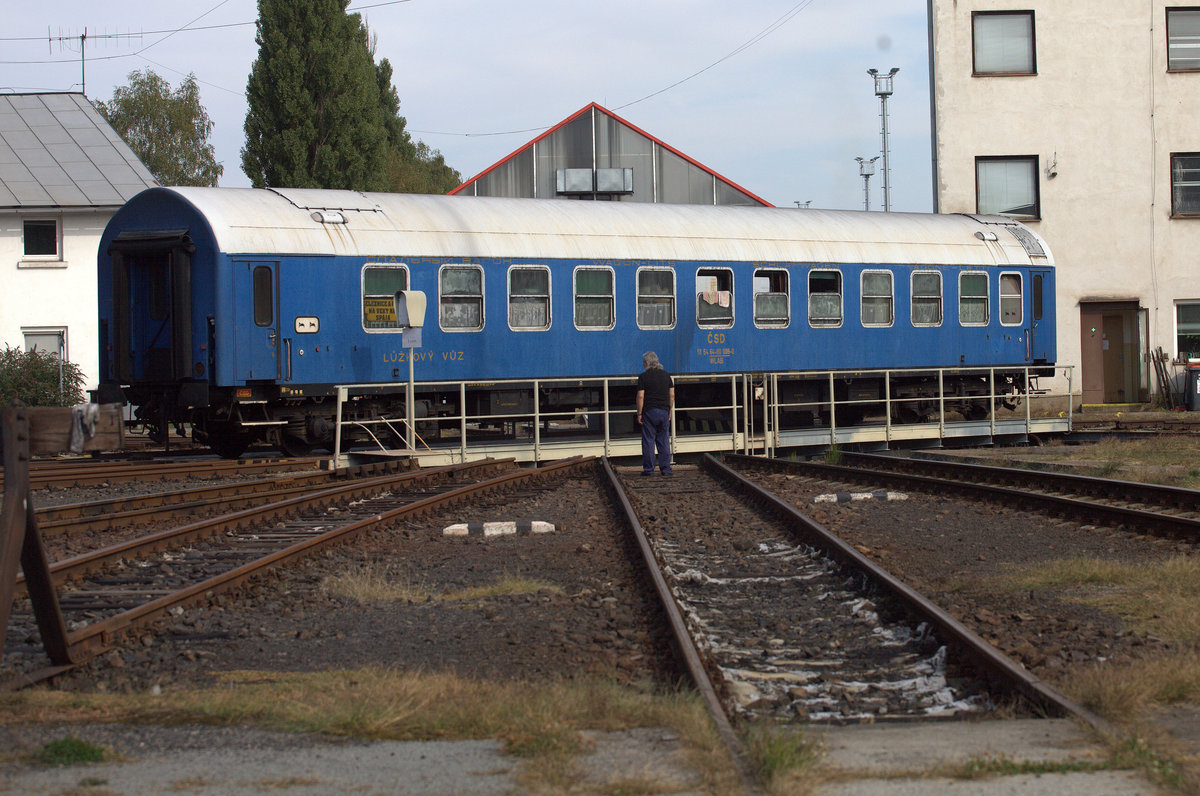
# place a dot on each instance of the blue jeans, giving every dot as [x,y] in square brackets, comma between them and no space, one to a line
[656,433]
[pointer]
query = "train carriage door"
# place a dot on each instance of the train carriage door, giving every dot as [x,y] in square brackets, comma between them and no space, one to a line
[1042,343]
[256,320]
[151,307]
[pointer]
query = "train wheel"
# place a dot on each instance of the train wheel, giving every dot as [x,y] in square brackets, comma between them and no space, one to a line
[230,446]
[294,446]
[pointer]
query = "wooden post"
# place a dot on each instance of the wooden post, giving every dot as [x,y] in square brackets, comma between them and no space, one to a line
[27,431]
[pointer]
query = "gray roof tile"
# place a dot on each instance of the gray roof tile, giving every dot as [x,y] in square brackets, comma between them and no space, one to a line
[56,150]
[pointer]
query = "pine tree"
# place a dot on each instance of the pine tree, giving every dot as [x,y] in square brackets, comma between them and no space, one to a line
[315,117]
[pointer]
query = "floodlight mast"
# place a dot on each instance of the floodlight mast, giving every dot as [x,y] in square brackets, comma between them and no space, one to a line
[883,90]
[866,168]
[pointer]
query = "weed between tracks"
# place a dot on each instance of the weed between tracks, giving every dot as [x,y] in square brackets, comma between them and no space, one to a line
[372,581]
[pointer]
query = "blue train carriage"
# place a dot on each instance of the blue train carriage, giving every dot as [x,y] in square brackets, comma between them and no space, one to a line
[241,310]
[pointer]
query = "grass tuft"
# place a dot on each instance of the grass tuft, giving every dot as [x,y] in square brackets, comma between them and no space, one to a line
[70,751]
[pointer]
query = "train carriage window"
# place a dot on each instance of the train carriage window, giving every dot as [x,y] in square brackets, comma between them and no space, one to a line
[655,298]
[595,301]
[771,303]
[825,298]
[877,304]
[379,286]
[973,299]
[264,298]
[1011,300]
[460,298]
[714,298]
[926,298]
[529,298]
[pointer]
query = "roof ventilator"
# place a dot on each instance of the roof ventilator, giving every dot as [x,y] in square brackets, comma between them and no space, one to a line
[328,217]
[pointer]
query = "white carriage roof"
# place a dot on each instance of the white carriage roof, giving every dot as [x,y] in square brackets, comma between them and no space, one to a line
[57,151]
[303,221]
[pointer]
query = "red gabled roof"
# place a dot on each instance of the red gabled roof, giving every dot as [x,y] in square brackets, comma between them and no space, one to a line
[633,127]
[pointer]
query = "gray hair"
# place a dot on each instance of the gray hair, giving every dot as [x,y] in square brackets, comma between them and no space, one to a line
[650,360]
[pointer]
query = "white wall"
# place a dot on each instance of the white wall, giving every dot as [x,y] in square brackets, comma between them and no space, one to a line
[1103,106]
[53,293]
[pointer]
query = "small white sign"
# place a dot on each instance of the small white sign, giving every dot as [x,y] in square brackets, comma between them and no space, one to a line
[307,324]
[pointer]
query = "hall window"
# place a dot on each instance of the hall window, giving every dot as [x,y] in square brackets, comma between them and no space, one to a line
[1185,184]
[926,298]
[655,298]
[529,298]
[1187,330]
[1007,186]
[714,298]
[771,301]
[825,298]
[594,298]
[877,306]
[460,298]
[973,298]
[1003,43]
[379,286]
[1012,302]
[1183,39]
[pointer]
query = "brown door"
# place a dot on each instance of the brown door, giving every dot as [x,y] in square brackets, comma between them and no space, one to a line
[1108,349]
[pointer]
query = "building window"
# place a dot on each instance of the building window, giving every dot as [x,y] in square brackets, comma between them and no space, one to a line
[380,283]
[655,298]
[1187,330]
[771,304]
[973,299]
[594,298]
[877,298]
[825,298]
[1183,39]
[460,298]
[1012,304]
[41,238]
[926,298]
[1185,184]
[50,340]
[1003,43]
[714,298]
[529,298]
[1007,186]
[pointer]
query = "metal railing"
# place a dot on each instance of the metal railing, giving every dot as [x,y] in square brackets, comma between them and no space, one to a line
[740,412]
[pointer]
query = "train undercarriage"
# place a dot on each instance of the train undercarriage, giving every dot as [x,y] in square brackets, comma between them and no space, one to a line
[306,420]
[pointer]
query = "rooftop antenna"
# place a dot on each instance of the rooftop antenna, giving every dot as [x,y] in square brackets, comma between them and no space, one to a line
[66,42]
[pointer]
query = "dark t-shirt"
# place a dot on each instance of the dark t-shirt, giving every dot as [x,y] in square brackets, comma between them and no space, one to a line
[657,385]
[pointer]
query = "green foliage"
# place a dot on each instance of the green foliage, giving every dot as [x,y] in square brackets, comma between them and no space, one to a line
[70,751]
[323,114]
[315,118]
[33,378]
[167,130]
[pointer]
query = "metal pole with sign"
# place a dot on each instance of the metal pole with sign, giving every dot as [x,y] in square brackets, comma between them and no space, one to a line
[410,317]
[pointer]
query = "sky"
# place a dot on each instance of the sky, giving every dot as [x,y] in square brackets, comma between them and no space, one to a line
[773,95]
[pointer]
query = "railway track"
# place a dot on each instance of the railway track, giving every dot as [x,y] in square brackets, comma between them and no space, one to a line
[780,620]
[107,594]
[101,518]
[81,473]
[1149,508]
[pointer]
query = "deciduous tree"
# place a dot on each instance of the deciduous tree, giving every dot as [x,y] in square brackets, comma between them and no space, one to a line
[168,130]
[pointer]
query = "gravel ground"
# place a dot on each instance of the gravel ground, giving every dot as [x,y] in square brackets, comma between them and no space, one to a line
[600,617]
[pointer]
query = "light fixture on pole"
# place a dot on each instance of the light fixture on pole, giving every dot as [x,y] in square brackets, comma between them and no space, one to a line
[866,168]
[883,90]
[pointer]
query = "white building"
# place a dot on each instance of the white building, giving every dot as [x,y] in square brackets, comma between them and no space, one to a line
[1082,119]
[63,173]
